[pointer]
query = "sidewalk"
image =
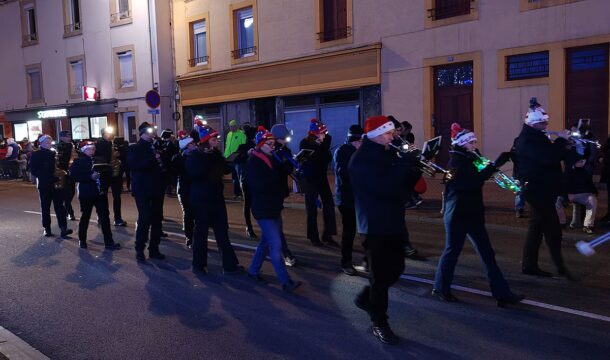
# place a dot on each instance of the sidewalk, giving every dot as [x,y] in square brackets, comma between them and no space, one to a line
[12,347]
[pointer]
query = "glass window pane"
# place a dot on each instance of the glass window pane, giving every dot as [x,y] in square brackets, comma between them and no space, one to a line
[32,21]
[74,8]
[245,28]
[77,76]
[298,121]
[21,131]
[199,27]
[123,6]
[200,46]
[34,129]
[338,119]
[80,128]
[36,91]
[125,65]
[97,124]
[527,66]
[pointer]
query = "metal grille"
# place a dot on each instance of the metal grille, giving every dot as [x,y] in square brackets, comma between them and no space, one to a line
[30,37]
[71,28]
[116,17]
[198,60]
[239,53]
[527,66]
[448,9]
[339,33]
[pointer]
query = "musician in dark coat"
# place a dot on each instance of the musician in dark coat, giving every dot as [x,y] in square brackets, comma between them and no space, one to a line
[147,189]
[240,160]
[105,153]
[91,194]
[183,188]
[206,168]
[42,166]
[381,184]
[344,196]
[64,156]
[266,176]
[540,167]
[315,183]
[464,216]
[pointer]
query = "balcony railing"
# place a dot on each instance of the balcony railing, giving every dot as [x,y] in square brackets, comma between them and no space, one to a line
[30,37]
[70,28]
[457,8]
[244,52]
[120,16]
[335,34]
[198,61]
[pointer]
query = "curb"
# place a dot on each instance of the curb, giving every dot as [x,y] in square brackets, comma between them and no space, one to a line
[12,347]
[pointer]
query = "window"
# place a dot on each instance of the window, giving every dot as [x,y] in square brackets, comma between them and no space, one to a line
[124,68]
[444,9]
[120,12]
[87,128]
[527,66]
[76,76]
[34,83]
[588,59]
[72,24]
[525,5]
[334,20]
[244,32]
[28,23]
[198,38]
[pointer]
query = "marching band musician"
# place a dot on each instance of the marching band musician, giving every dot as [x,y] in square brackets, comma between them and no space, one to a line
[43,166]
[206,168]
[64,156]
[315,183]
[267,179]
[381,184]
[344,196]
[540,167]
[464,216]
[91,194]
[183,189]
[105,154]
[240,160]
[147,189]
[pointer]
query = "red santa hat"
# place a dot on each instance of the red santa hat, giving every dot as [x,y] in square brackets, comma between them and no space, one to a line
[460,136]
[377,125]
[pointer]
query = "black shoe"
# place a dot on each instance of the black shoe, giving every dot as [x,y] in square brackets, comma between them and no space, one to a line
[65,234]
[329,241]
[259,279]
[82,244]
[410,205]
[349,270]
[72,217]
[114,246]
[291,286]
[317,243]
[250,233]
[362,304]
[588,230]
[448,297]
[385,334]
[363,267]
[536,272]
[189,243]
[156,255]
[164,234]
[120,223]
[140,256]
[202,270]
[47,232]
[235,271]
[414,255]
[566,274]
[510,300]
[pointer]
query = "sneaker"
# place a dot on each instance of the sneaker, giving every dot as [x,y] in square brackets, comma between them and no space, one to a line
[363,267]
[189,243]
[510,300]
[120,223]
[385,334]
[72,217]
[47,232]
[418,200]
[250,233]
[349,270]
[588,230]
[410,205]
[290,261]
[291,286]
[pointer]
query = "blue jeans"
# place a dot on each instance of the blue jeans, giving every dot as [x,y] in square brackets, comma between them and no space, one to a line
[519,202]
[456,233]
[271,243]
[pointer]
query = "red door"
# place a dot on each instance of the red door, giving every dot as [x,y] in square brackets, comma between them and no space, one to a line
[452,102]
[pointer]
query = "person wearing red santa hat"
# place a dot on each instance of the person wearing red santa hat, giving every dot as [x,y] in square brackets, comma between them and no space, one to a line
[315,184]
[381,184]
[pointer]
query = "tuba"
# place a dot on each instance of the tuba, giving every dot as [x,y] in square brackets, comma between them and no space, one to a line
[504,181]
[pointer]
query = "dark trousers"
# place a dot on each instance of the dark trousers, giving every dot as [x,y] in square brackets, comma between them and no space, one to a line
[56,197]
[149,219]
[69,191]
[212,216]
[188,221]
[348,219]
[543,222]
[385,255]
[456,232]
[116,186]
[235,180]
[312,191]
[247,204]
[101,208]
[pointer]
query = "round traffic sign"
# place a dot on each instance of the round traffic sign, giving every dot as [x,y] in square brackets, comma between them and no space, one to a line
[153,99]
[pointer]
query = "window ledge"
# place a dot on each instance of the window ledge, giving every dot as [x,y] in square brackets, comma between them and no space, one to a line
[73,33]
[121,22]
[29,43]
[36,102]
[126,89]
[525,5]
[201,67]
[327,44]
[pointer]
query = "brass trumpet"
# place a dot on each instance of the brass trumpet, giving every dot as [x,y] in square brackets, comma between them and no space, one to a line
[576,136]
[426,166]
[504,181]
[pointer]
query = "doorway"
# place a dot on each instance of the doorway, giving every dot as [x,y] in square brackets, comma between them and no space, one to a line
[129,124]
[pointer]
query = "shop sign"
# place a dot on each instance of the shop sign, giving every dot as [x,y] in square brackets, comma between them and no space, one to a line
[90,93]
[55,113]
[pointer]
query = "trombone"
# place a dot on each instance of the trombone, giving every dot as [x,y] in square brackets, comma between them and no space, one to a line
[426,166]
[576,136]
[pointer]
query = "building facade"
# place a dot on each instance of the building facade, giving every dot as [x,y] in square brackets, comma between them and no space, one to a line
[83,65]
[430,62]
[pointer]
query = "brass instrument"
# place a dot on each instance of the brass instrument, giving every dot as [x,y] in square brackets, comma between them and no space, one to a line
[426,166]
[101,169]
[504,181]
[60,174]
[115,163]
[576,137]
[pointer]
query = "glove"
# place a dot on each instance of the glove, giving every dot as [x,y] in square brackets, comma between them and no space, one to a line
[502,159]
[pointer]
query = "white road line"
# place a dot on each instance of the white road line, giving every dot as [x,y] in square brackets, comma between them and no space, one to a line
[456,287]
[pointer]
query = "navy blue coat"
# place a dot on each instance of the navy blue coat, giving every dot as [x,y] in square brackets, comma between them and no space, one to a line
[179,168]
[42,166]
[80,171]
[344,194]
[316,166]
[206,169]
[146,180]
[266,185]
[381,182]
[464,192]
[540,163]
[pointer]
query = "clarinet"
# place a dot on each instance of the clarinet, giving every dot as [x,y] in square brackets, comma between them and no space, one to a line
[281,157]
[153,146]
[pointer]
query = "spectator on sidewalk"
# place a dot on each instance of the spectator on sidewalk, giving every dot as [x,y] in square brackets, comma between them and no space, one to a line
[581,191]
[235,137]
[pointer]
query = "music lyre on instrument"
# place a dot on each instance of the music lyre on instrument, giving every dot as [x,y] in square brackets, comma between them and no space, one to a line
[504,181]
[586,248]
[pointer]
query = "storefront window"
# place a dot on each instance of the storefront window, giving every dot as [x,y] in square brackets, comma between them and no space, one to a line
[97,124]
[80,128]
[21,131]
[34,129]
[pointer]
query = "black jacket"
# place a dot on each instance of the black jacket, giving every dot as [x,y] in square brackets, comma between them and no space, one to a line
[282,155]
[539,162]
[580,181]
[103,151]
[80,171]
[242,158]
[42,166]
[206,169]
[316,166]
[381,182]
[344,194]
[64,154]
[464,192]
[266,186]
[179,168]
[146,178]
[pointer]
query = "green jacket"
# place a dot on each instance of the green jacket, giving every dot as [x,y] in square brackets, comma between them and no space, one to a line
[234,139]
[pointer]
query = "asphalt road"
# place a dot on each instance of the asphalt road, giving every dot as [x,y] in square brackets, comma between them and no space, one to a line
[94,304]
